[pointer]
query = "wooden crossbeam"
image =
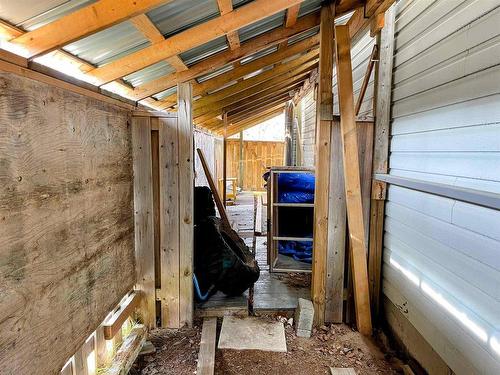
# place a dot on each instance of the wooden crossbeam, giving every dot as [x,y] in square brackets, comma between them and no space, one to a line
[151,32]
[212,63]
[352,180]
[226,6]
[193,37]
[291,15]
[81,23]
[255,120]
[256,108]
[114,323]
[287,70]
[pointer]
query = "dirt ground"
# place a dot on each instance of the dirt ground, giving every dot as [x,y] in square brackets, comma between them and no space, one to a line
[330,346]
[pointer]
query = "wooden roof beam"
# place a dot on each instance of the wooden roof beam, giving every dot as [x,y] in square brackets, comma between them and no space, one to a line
[81,23]
[243,70]
[291,15]
[233,38]
[151,32]
[190,38]
[212,63]
[254,120]
[270,103]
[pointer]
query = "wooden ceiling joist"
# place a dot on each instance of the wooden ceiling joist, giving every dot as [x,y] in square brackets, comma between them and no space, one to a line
[288,70]
[190,38]
[233,38]
[243,70]
[81,23]
[253,94]
[217,61]
[254,120]
[272,103]
[291,15]
[151,32]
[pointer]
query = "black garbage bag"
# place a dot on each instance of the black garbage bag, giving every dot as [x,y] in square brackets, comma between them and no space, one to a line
[204,205]
[222,259]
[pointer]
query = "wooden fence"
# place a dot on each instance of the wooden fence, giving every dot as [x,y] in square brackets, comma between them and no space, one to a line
[256,157]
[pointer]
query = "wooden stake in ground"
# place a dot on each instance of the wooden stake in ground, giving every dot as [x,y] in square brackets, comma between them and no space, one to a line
[352,180]
[218,201]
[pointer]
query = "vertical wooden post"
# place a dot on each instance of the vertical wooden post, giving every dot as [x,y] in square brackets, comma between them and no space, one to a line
[143,217]
[336,231]
[186,187]
[383,83]
[224,162]
[352,180]
[241,166]
[324,118]
[168,137]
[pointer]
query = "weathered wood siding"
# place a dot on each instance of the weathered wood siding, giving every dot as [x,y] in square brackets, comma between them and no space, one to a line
[257,157]
[442,256]
[66,221]
[360,55]
[308,122]
[207,143]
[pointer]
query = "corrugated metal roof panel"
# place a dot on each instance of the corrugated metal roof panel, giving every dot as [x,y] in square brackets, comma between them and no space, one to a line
[303,35]
[31,14]
[218,72]
[148,74]
[309,6]
[180,15]
[165,93]
[262,26]
[259,54]
[109,44]
[199,53]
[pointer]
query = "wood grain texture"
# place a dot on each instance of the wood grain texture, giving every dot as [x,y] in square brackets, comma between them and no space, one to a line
[382,109]
[186,186]
[257,157]
[206,358]
[66,221]
[128,352]
[352,180]
[324,117]
[143,215]
[169,222]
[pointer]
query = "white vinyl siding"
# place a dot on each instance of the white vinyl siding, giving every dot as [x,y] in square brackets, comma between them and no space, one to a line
[442,256]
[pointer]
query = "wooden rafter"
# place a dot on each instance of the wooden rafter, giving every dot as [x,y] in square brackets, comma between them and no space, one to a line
[233,38]
[151,32]
[190,38]
[291,15]
[242,70]
[241,126]
[212,63]
[81,23]
[287,70]
[257,108]
[263,90]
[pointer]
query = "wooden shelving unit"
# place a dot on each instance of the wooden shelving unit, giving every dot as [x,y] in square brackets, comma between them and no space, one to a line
[278,262]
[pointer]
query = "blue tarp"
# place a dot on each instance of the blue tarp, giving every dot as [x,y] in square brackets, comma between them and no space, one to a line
[296,188]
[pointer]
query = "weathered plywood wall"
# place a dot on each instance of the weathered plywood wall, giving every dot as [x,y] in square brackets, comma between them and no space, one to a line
[66,221]
[257,157]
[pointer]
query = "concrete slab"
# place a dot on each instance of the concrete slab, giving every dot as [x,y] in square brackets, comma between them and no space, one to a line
[252,333]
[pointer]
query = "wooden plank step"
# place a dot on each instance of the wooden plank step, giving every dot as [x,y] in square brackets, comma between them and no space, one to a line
[258,216]
[206,358]
[342,371]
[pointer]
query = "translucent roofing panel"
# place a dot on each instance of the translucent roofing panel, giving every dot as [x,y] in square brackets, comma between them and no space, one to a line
[257,72]
[109,44]
[304,35]
[309,6]
[31,14]
[262,26]
[150,73]
[238,3]
[180,15]
[259,54]
[218,72]
[165,93]
[199,53]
